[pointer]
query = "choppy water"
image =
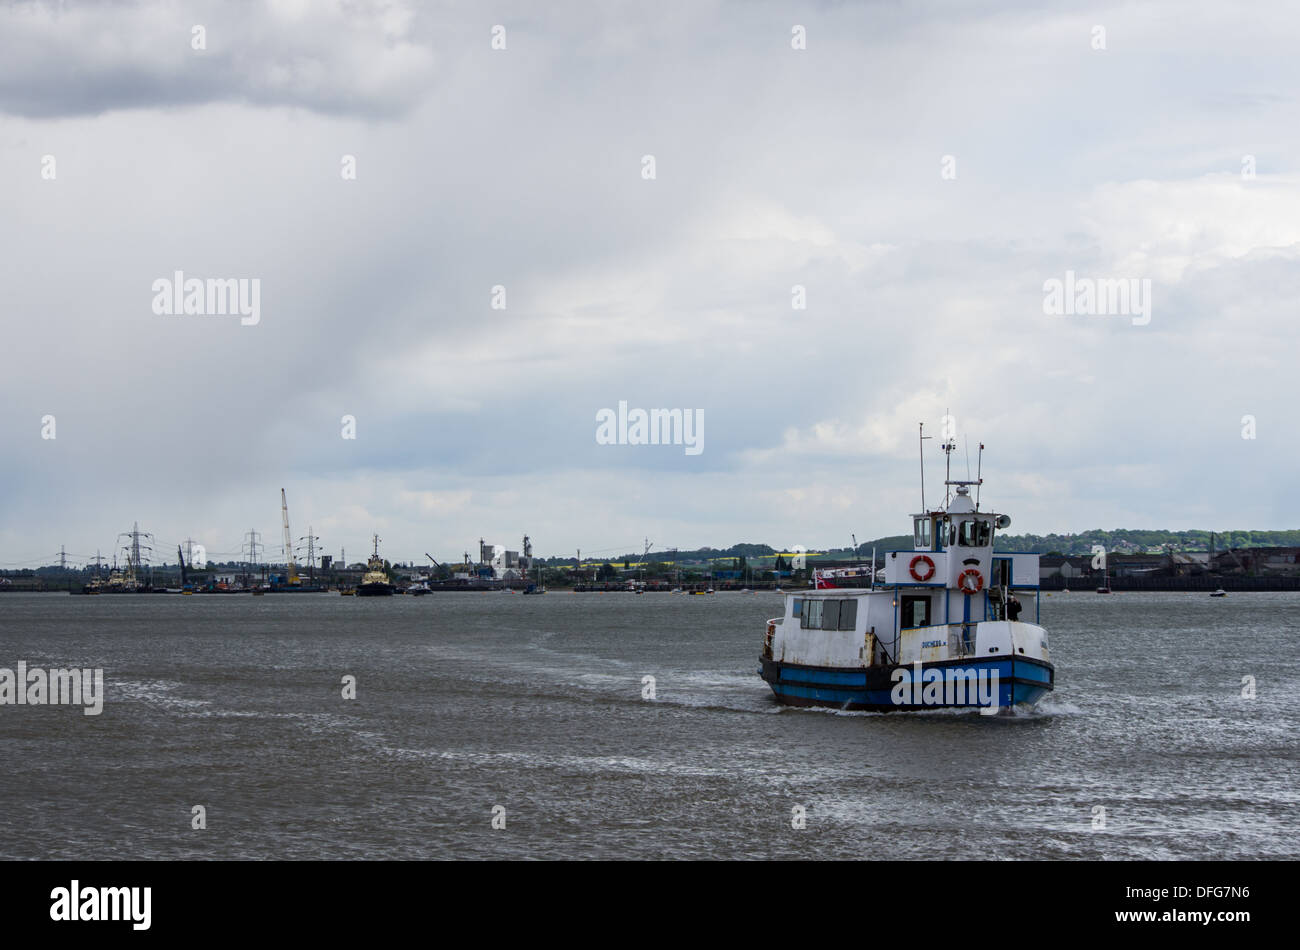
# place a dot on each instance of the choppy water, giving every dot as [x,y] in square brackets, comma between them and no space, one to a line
[470,701]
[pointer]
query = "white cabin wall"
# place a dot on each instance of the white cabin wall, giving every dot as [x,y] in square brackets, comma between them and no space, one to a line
[792,643]
[898,566]
[822,647]
[1024,570]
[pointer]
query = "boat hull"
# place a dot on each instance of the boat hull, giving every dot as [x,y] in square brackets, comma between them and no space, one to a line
[1020,681]
[375,590]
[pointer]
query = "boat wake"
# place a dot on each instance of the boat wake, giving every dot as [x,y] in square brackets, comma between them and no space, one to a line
[158,693]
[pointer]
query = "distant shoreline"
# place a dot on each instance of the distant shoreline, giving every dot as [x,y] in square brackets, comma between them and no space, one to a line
[1049,585]
[1200,584]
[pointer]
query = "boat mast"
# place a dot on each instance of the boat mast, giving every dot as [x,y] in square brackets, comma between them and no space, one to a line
[921,437]
[948,445]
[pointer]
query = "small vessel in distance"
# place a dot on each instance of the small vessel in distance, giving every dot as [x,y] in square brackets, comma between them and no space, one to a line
[941,631]
[375,582]
[1220,593]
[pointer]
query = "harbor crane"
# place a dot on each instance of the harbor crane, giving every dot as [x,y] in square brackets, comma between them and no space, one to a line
[288,543]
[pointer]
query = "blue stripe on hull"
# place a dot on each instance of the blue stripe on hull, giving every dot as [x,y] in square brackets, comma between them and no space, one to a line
[825,677]
[847,689]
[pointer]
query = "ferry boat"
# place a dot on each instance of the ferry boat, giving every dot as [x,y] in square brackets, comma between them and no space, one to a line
[375,582]
[940,629]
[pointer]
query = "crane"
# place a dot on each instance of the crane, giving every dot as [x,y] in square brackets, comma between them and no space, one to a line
[288,543]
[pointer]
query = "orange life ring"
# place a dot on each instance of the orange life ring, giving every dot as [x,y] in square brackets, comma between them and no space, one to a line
[966,588]
[928,563]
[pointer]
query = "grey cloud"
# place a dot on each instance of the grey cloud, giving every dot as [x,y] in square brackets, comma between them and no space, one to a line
[81,59]
[524,170]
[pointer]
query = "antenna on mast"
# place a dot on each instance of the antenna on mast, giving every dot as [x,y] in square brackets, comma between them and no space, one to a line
[948,446]
[979,477]
[921,437]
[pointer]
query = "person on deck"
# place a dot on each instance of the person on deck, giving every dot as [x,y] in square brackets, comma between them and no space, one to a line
[1013,608]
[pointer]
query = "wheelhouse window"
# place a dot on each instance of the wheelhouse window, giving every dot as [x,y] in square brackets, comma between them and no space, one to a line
[797,609]
[922,534]
[848,614]
[975,533]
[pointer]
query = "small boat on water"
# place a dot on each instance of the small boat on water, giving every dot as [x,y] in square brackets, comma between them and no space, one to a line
[1220,593]
[1105,582]
[942,630]
[537,587]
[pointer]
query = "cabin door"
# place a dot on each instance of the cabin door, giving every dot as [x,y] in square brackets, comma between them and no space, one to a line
[916,611]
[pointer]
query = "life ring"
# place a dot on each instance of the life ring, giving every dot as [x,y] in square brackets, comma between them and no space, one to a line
[928,563]
[968,589]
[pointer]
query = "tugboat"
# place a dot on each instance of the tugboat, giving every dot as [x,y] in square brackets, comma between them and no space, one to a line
[375,583]
[942,630]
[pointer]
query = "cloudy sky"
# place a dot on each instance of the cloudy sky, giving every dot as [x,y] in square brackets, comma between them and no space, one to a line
[920,169]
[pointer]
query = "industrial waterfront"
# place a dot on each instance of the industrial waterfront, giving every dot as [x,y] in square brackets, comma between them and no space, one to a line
[139,563]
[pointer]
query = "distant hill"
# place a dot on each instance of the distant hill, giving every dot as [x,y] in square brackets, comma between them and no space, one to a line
[1119,540]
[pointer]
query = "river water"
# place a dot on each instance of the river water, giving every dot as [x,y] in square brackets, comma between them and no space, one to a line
[531,709]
